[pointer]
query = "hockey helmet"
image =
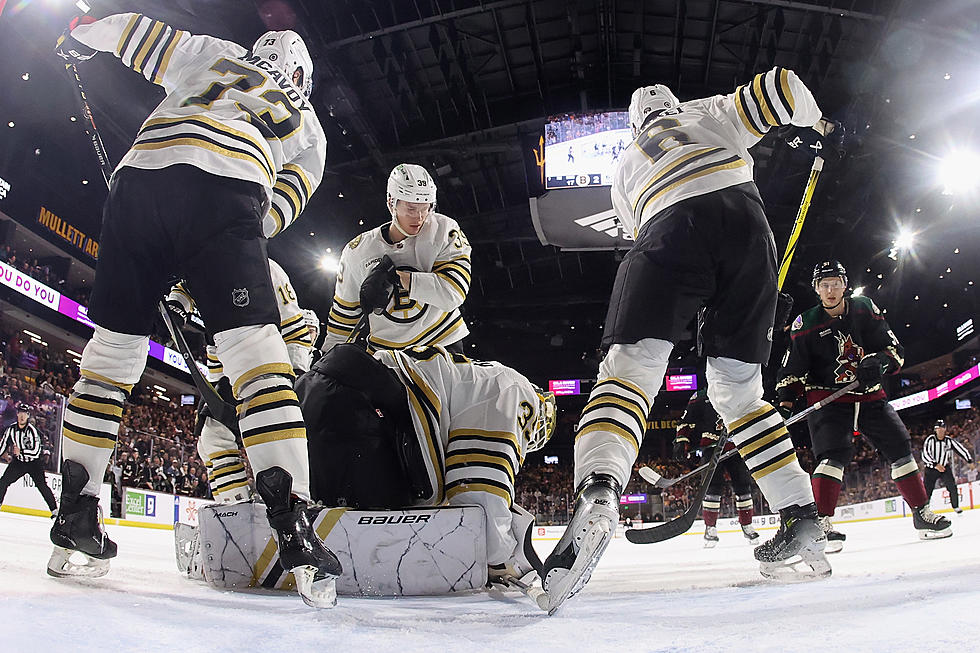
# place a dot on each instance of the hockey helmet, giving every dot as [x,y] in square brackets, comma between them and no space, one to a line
[23,407]
[647,100]
[827,269]
[312,322]
[545,421]
[411,183]
[287,52]
[940,423]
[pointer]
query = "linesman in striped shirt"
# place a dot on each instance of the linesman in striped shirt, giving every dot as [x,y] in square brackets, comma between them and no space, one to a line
[26,443]
[937,458]
[685,190]
[228,159]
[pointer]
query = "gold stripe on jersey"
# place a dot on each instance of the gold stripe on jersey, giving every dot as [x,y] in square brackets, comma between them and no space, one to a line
[610,427]
[436,333]
[91,438]
[342,319]
[650,191]
[467,458]
[148,45]
[219,129]
[609,400]
[780,462]
[741,422]
[787,93]
[728,164]
[106,408]
[743,113]
[167,51]
[344,304]
[504,437]
[269,396]
[480,487]
[456,273]
[127,33]
[195,140]
[273,434]
[426,419]
[125,387]
[224,453]
[306,186]
[269,368]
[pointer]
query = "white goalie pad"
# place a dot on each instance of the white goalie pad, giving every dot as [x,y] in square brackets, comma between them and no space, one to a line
[411,552]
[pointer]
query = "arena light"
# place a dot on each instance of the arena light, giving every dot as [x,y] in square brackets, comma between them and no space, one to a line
[959,172]
[905,239]
[857,292]
[329,263]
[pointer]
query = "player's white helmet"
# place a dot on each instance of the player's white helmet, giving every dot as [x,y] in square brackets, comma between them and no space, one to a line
[648,99]
[544,423]
[411,183]
[287,52]
[312,323]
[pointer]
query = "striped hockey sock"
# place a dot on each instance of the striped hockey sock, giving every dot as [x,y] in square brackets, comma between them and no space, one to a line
[743,504]
[827,480]
[710,509]
[765,445]
[91,426]
[905,473]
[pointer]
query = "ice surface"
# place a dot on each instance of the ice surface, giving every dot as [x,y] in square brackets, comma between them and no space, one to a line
[890,592]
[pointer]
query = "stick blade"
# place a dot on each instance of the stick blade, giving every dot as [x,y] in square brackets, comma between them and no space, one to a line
[670,530]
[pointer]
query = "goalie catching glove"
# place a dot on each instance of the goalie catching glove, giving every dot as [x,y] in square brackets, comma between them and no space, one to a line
[71,50]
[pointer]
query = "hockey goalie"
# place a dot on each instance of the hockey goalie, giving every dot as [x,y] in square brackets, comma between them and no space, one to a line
[414,453]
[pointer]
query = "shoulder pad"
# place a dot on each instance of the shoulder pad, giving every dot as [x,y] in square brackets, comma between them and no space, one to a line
[355,242]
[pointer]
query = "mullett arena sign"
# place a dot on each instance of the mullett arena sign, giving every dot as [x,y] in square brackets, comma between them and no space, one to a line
[70,234]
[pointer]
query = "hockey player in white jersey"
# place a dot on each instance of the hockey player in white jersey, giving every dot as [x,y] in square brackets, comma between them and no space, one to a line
[217,443]
[226,160]
[425,427]
[685,189]
[431,276]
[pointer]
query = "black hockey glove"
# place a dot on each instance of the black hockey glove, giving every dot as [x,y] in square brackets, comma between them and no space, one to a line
[680,450]
[869,370]
[378,286]
[784,310]
[785,411]
[825,139]
[70,49]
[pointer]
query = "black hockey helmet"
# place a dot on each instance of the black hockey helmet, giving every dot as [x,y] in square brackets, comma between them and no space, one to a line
[23,407]
[940,422]
[831,268]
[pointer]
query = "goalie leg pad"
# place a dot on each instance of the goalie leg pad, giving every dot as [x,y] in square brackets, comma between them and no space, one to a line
[411,552]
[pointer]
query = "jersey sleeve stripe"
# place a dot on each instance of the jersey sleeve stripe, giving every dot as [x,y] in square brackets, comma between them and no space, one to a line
[290,321]
[293,169]
[785,92]
[141,35]
[464,486]
[754,108]
[743,113]
[152,40]
[459,287]
[608,426]
[166,52]
[763,101]
[345,304]
[783,112]
[127,34]
[470,458]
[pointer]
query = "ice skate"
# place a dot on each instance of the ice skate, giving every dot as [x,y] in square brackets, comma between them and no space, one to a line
[835,539]
[570,565]
[930,525]
[314,567]
[77,531]
[958,510]
[798,543]
[750,534]
[710,537]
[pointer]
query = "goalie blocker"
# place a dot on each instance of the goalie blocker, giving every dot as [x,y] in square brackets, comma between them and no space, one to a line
[410,552]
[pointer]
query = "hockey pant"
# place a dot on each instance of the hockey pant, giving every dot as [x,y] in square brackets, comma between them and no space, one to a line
[269,417]
[614,419]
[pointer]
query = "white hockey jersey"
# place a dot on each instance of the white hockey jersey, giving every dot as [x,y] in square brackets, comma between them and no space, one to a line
[227,112]
[473,419]
[428,313]
[702,146]
[293,328]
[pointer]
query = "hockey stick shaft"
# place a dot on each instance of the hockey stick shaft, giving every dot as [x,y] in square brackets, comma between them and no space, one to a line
[664,483]
[219,408]
[794,237]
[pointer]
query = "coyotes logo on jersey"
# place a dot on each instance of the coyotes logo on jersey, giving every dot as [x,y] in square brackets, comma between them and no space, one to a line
[849,355]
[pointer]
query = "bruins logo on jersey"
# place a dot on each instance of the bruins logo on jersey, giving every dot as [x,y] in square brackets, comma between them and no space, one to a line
[354,243]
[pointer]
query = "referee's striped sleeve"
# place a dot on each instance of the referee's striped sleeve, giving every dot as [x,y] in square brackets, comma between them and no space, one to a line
[929,451]
[961,451]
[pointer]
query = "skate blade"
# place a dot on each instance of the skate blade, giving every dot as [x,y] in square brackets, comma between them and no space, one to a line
[753,541]
[833,546]
[317,593]
[594,544]
[60,565]
[936,535]
[809,564]
[710,544]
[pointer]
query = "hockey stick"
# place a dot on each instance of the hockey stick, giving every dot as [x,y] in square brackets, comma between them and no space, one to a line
[680,525]
[220,409]
[651,476]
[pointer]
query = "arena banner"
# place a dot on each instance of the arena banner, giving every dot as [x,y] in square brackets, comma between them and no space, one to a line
[186,509]
[22,497]
[69,233]
[147,507]
[943,388]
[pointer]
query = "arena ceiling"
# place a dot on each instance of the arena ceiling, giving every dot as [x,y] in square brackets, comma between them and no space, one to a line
[457,85]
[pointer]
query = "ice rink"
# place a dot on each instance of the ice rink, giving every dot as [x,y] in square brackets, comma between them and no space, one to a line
[889,592]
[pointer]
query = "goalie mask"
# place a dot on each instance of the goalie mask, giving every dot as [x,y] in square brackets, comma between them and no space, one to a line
[409,182]
[649,100]
[544,422]
[287,52]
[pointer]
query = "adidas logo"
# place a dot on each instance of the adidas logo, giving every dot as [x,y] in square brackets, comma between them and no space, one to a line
[606,222]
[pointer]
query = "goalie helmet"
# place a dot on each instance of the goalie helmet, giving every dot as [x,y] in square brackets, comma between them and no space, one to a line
[312,323]
[545,421]
[647,100]
[828,269]
[287,52]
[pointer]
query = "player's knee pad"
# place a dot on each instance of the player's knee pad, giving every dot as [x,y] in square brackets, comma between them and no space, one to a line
[252,351]
[116,359]
[734,387]
[642,363]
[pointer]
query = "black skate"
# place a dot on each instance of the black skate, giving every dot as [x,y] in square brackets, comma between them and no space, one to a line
[78,529]
[751,536]
[570,565]
[835,539]
[930,525]
[710,537]
[798,540]
[314,567]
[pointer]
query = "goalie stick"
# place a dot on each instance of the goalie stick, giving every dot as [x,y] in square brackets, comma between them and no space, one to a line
[220,409]
[680,525]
